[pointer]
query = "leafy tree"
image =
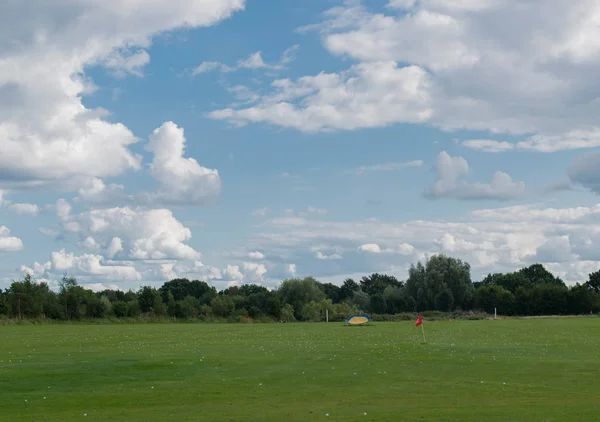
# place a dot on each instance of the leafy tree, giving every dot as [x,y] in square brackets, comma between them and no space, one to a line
[66,288]
[347,290]
[444,301]
[222,306]
[396,300]
[331,291]
[443,282]
[376,283]
[538,274]
[273,307]
[581,299]
[377,303]
[593,282]
[150,301]
[297,292]
[287,313]
[360,300]
[510,281]
[495,296]
[120,308]
[3,303]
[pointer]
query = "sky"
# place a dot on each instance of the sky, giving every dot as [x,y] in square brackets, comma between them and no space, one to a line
[249,141]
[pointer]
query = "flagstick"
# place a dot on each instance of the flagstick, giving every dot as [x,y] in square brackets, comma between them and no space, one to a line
[423,330]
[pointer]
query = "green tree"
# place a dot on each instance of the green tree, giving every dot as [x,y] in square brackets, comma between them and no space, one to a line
[443,282]
[120,308]
[298,292]
[396,301]
[376,283]
[581,299]
[347,290]
[331,291]
[538,274]
[287,313]
[593,282]
[150,301]
[222,306]
[377,303]
[495,296]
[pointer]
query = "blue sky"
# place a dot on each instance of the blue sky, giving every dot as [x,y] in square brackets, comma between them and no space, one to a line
[245,141]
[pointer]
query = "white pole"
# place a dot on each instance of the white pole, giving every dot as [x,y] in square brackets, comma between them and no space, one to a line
[327,314]
[494,313]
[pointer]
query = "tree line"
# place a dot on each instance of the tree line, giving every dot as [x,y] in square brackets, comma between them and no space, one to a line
[442,283]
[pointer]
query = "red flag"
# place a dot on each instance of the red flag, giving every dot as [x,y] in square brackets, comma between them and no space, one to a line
[419,321]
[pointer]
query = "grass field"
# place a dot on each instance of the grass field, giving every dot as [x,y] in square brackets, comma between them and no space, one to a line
[505,370]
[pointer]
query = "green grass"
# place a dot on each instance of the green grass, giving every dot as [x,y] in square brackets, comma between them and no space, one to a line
[510,370]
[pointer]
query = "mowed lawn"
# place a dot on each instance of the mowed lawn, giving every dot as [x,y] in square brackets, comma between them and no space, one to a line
[504,370]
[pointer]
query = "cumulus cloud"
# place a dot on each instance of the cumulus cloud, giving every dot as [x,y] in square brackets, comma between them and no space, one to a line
[114,247]
[254,272]
[93,265]
[254,61]
[291,269]
[147,234]
[256,255]
[449,169]
[523,68]
[182,180]
[491,240]
[585,171]
[47,134]
[9,243]
[367,95]
[25,209]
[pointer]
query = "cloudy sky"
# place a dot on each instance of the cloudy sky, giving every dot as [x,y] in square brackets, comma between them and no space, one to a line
[248,141]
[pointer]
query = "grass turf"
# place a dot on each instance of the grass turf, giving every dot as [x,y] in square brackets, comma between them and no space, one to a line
[505,370]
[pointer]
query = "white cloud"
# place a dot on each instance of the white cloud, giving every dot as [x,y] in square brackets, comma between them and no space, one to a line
[575,139]
[256,255]
[254,61]
[401,4]
[254,272]
[63,208]
[367,95]
[386,167]
[291,269]
[28,209]
[47,134]
[232,273]
[315,210]
[142,234]
[400,249]
[36,270]
[182,180]
[89,243]
[94,190]
[447,185]
[585,170]
[114,247]
[488,145]
[321,255]
[124,62]
[491,240]
[522,68]
[9,243]
[48,232]
[261,212]
[556,249]
[92,265]
[370,247]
